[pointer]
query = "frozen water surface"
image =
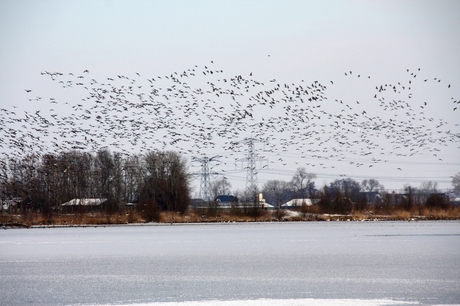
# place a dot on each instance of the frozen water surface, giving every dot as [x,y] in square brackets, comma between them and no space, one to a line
[285,302]
[310,263]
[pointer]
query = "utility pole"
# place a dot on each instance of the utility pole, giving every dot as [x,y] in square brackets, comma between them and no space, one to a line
[205,185]
[251,159]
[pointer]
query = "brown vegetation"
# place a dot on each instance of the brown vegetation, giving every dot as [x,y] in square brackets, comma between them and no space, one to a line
[202,216]
[39,219]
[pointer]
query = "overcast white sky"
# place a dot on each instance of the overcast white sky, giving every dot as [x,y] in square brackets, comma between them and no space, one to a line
[288,41]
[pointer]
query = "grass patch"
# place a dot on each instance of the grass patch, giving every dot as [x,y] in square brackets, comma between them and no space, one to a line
[202,216]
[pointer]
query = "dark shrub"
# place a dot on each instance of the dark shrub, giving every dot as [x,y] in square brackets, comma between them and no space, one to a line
[437,201]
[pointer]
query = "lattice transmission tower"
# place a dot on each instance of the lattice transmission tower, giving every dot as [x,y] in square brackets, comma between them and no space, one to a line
[205,185]
[251,158]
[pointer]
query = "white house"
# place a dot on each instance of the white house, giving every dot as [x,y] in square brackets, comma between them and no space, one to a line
[90,204]
[297,203]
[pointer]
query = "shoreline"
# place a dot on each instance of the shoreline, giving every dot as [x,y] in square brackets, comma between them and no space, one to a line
[168,219]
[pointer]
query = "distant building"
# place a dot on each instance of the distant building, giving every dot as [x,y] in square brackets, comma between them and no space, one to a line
[131,206]
[300,202]
[84,205]
[455,201]
[230,202]
[263,204]
[224,199]
[198,203]
[297,203]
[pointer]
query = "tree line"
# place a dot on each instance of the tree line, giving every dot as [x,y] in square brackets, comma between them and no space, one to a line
[159,180]
[345,195]
[156,180]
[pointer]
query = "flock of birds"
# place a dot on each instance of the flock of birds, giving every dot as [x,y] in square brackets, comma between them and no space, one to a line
[203,108]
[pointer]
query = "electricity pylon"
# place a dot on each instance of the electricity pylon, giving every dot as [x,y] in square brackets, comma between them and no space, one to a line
[205,185]
[251,159]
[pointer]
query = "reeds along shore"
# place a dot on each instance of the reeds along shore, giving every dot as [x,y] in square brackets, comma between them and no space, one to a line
[311,213]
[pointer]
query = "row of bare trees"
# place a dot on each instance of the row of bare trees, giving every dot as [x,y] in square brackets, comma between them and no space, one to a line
[345,194]
[160,181]
[157,179]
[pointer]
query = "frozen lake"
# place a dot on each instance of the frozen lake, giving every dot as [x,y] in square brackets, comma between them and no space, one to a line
[309,263]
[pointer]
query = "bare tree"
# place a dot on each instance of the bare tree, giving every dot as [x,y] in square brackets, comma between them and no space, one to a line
[301,182]
[325,202]
[412,200]
[104,172]
[456,183]
[133,177]
[167,182]
[220,187]
[348,187]
[371,185]
[428,187]
[118,182]
[276,192]
[425,190]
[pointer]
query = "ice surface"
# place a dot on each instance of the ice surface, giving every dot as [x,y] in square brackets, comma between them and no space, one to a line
[306,262]
[287,302]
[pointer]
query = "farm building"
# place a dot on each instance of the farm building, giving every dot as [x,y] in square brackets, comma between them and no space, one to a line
[84,205]
[297,203]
